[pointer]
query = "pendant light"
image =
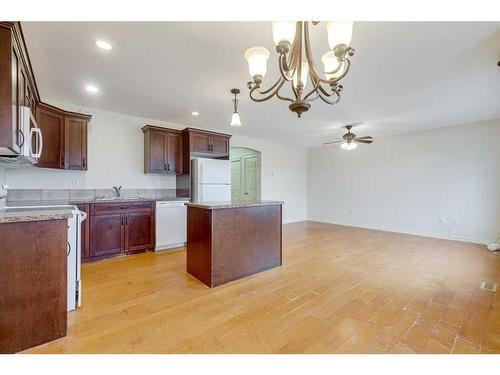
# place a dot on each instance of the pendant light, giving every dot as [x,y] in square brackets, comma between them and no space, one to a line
[235,118]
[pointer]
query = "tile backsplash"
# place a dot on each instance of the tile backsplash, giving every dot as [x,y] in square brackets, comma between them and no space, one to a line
[84,194]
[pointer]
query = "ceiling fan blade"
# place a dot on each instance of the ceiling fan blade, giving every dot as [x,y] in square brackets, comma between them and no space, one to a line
[332,142]
[368,137]
[357,140]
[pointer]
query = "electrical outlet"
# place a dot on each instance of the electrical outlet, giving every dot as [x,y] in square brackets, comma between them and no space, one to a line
[75,182]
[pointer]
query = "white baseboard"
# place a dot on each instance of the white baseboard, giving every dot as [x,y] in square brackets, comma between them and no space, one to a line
[402,231]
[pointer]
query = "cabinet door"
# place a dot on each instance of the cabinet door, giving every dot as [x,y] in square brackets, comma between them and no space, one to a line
[138,232]
[75,143]
[51,123]
[174,153]
[18,136]
[157,153]
[200,143]
[219,145]
[107,235]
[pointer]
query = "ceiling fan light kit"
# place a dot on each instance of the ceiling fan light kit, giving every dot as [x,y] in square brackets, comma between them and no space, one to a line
[296,65]
[349,141]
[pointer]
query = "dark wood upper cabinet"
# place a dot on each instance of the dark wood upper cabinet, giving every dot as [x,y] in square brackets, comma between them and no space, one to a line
[208,144]
[174,153]
[220,145]
[154,157]
[75,143]
[200,142]
[64,138]
[64,133]
[51,122]
[162,150]
[17,88]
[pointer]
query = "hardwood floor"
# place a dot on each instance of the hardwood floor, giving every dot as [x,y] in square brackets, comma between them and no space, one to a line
[340,290]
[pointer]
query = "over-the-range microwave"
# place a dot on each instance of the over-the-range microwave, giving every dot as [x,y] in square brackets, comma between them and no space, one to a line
[31,141]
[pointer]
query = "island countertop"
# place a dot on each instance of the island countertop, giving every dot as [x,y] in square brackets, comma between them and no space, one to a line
[13,215]
[232,204]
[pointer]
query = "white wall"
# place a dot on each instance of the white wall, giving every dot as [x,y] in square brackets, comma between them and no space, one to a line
[283,175]
[115,157]
[413,183]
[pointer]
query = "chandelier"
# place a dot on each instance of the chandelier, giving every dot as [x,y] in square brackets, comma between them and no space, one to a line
[296,64]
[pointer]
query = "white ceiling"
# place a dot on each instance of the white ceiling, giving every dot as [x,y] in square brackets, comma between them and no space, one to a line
[405,76]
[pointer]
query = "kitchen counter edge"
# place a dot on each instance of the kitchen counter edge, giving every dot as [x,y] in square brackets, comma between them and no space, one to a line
[222,205]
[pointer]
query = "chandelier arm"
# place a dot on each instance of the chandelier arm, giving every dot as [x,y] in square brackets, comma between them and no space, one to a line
[284,67]
[330,101]
[279,84]
[269,89]
[337,79]
[286,98]
[310,58]
[314,89]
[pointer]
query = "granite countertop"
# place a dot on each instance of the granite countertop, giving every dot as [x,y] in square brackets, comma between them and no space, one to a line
[232,204]
[36,214]
[90,200]
[39,213]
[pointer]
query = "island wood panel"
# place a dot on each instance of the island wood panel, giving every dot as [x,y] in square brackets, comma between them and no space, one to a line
[231,243]
[33,282]
[246,240]
[199,244]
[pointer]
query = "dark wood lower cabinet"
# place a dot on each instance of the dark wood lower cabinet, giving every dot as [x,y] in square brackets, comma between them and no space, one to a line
[138,228]
[106,235]
[119,228]
[33,283]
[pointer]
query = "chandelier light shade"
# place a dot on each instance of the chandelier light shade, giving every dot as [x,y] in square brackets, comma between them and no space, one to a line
[296,64]
[235,118]
[339,33]
[284,32]
[257,61]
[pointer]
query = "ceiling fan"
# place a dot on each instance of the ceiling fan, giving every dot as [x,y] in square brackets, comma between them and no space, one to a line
[349,141]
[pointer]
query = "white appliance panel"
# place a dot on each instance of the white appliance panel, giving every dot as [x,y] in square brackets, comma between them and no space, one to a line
[213,171]
[171,224]
[214,193]
[71,251]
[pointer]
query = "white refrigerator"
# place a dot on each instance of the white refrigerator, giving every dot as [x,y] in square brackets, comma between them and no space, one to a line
[211,180]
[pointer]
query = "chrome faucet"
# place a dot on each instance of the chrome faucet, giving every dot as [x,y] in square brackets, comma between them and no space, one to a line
[3,191]
[117,190]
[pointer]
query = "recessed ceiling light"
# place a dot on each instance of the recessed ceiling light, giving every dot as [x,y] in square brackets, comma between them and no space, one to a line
[92,89]
[195,113]
[103,44]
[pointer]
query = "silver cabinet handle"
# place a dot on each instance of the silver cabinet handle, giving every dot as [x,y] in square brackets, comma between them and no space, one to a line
[69,249]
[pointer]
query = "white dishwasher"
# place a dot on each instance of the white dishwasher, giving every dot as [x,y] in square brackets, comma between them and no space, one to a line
[171,224]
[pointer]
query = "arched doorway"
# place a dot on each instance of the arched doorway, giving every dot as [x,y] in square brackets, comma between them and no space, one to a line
[245,173]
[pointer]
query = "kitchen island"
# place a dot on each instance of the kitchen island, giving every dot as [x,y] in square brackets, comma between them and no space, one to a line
[230,240]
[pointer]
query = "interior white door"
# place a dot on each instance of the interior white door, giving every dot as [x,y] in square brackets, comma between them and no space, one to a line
[251,167]
[236,179]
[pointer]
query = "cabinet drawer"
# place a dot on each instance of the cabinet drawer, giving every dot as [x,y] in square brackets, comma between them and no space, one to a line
[117,208]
